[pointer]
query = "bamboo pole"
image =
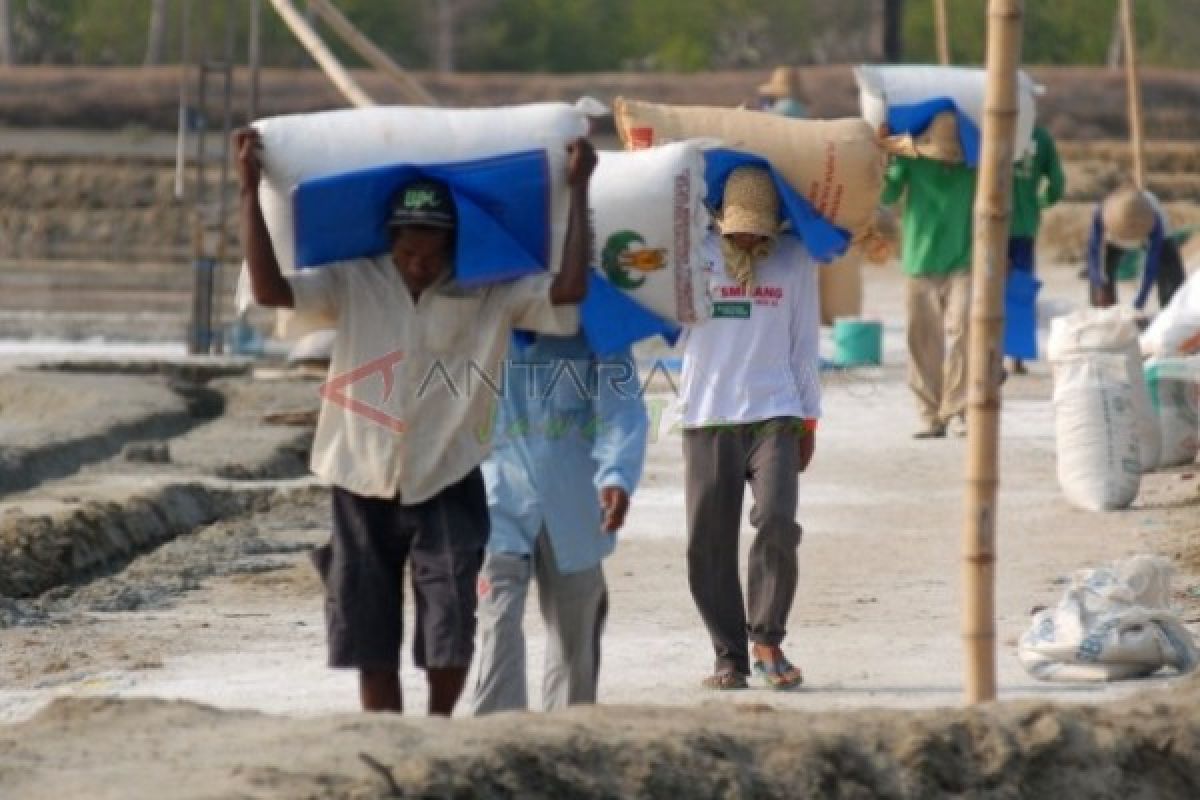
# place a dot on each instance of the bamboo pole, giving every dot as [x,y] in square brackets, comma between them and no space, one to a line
[993,198]
[325,59]
[1133,88]
[185,67]
[943,34]
[414,92]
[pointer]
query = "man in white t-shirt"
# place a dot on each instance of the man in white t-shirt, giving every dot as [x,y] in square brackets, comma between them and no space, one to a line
[751,398]
[399,433]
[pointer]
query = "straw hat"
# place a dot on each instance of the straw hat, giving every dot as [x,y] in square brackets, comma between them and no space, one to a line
[1128,216]
[751,204]
[784,82]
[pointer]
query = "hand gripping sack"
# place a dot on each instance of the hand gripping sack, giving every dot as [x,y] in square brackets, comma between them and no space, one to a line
[649,220]
[909,97]
[301,146]
[837,165]
[1095,432]
[1110,330]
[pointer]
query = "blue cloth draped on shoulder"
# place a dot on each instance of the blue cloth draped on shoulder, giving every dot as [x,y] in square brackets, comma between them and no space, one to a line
[914,119]
[503,207]
[823,239]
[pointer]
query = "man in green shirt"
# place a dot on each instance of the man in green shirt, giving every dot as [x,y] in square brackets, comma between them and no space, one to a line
[936,256]
[1038,183]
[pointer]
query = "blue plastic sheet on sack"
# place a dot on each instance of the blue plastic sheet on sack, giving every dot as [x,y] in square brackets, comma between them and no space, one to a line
[914,119]
[503,206]
[823,239]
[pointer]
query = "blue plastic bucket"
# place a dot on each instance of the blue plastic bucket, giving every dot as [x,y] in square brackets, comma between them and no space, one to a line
[857,342]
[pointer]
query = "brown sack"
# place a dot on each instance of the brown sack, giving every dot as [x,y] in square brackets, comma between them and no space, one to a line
[1128,217]
[840,287]
[836,164]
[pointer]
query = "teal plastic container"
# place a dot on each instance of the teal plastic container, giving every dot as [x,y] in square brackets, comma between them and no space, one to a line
[857,342]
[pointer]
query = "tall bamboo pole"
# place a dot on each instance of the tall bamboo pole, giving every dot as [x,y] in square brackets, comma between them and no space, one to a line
[943,34]
[328,62]
[371,53]
[993,198]
[1133,88]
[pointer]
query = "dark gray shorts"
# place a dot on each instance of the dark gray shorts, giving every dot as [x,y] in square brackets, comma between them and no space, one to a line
[363,571]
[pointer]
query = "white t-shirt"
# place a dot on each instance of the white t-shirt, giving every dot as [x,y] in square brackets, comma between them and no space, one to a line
[757,357]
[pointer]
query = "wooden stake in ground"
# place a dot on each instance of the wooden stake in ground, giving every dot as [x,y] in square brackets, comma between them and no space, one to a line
[993,198]
[1135,93]
[942,24]
[325,59]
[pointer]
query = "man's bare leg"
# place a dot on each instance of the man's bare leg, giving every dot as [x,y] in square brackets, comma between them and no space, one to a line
[379,690]
[445,687]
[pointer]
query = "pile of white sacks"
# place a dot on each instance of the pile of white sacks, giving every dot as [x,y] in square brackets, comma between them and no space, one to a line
[1117,416]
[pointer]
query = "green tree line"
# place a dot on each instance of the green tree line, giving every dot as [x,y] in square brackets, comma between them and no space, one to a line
[589,35]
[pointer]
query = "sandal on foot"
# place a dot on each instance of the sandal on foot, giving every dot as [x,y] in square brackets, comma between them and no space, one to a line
[725,679]
[779,674]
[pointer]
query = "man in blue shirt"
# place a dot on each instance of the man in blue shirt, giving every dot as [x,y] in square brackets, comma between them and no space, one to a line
[569,443]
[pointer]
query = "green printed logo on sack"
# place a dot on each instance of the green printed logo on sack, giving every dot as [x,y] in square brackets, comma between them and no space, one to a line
[622,253]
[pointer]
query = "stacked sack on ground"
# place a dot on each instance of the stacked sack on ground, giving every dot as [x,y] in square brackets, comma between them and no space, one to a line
[1116,417]
[1172,343]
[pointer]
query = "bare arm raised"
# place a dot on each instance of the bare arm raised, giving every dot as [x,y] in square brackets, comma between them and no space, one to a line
[271,289]
[570,285]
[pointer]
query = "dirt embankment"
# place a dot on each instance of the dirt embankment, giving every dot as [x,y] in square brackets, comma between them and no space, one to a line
[1080,102]
[102,748]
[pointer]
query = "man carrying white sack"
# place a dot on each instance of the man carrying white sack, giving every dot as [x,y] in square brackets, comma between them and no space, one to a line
[751,397]
[570,439]
[406,482]
[936,256]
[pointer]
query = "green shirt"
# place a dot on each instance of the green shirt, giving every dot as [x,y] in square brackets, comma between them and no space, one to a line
[937,213]
[1029,196]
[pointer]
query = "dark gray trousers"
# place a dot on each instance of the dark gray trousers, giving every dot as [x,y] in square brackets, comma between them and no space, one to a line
[719,462]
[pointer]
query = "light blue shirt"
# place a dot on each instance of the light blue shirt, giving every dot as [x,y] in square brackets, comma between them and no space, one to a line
[568,424]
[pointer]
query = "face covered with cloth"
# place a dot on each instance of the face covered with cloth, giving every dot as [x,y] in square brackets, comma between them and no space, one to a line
[748,222]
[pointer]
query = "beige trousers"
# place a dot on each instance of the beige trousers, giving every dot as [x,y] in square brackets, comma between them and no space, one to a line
[938,309]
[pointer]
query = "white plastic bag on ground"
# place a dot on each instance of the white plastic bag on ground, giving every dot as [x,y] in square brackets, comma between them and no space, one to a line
[1175,394]
[301,146]
[882,87]
[1112,623]
[1095,433]
[1176,328]
[649,219]
[1110,330]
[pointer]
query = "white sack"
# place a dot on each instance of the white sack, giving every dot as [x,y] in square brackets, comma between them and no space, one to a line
[1112,623]
[882,86]
[1176,328]
[649,219]
[1095,433]
[1176,387]
[1110,330]
[301,146]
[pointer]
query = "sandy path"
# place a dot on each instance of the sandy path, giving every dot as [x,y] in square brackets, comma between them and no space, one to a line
[875,621]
